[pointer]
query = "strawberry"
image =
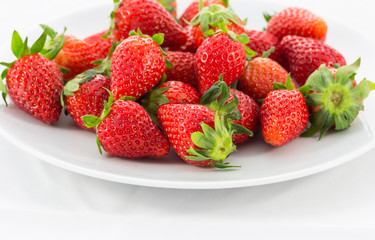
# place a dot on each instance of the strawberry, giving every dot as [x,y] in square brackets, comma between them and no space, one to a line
[259,76]
[170,6]
[86,98]
[189,45]
[137,65]
[99,45]
[337,97]
[305,55]
[150,17]
[125,129]
[193,9]
[34,81]
[297,21]
[284,115]
[183,68]
[199,135]
[217,55]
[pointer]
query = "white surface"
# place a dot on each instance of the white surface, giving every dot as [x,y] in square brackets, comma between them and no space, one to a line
[38,200]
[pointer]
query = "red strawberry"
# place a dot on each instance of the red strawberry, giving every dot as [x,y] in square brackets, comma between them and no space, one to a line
[217,55]
[99,45]
[183,68]
[193,9]
[125,129]
[259,76]
[297,21]
[33,81]
[150,17]
[283,115]
[137,65]
[170,6]
[305,55]
[87,99]
[336,97]
[179,92]
[189,45]
[249,111]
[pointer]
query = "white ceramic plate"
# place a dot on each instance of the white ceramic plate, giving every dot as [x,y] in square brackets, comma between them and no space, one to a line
[65,145]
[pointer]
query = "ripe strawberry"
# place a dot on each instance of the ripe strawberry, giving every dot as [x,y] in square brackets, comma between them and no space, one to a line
[305,55]
[217,55]
[125,129]
[170,6]
[183,68]
[193,9]
[150,17]
[283,115]
[297,21]
[86,97]
[336,96]
[189,45]
[99,45]
[33,81]
[259,76]
[137,65]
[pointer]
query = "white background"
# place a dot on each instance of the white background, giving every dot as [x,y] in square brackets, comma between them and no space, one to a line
[40,201]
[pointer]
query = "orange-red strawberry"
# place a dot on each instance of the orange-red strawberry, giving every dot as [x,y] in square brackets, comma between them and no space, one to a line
[193,9]
[150,17]
[183,68]
[87,98]
[33,81]
[99,45]
[283,115]
[305,55]
[217,55]
[137,65]
[125,129]
[297,21]
[259,76]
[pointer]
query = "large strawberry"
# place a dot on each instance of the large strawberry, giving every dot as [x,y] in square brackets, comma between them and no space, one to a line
[183,68]
[33,81]
[284,114]
[305,55]
[150,17]
[137,65]
[199,135]
[297,21]
[337,96]
[259,77]
[125,129]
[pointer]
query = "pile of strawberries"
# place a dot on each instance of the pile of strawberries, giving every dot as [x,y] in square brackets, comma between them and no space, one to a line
[202,83]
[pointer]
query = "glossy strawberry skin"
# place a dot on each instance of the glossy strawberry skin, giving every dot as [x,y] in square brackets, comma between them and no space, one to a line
[151,18]
[259,76]
[137,66]
[34,84]
[99,45]
[128,131]
[249,110]
[179,92]
[283,116]
[183,68]
[305,55]
[297,21]
[193,9]
[219,55]
[189,45]
[179,121]
[88,100]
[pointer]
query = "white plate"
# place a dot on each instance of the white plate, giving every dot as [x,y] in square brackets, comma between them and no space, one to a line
[65,145]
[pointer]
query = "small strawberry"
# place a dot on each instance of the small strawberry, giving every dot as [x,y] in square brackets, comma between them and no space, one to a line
[137,65]
[337,97]
[183,68]
[297,21]
[193,9]
[305,55]
[125,129]
[34,81]
[284,114]
[147,15]
[199,135]
[170,6]
[259,77]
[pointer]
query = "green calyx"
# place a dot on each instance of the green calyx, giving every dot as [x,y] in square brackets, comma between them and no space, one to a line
[91,121]
[158,39]
[216,144]
[112,24]
[168,5]
[339,101]
[54,45]
[289,86]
